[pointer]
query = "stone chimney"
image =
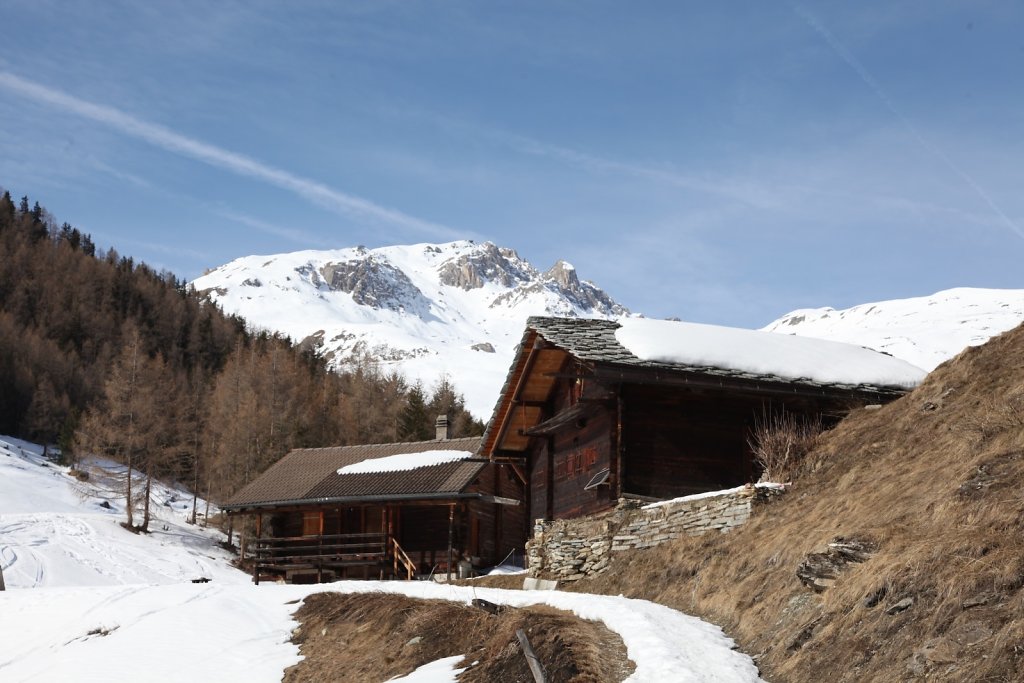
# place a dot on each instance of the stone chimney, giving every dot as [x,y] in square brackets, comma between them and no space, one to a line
[441,427]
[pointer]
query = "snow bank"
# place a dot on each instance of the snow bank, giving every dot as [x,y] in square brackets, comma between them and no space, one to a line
[404,461]
[712,494]
[444,670]
[763,353]
[221,632]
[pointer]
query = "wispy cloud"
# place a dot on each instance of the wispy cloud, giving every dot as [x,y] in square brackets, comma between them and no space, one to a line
[921,140]
[781,188]
[123,176]
[298,236]
[167,139]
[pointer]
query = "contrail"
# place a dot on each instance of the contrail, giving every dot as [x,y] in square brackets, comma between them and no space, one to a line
[875,87]
[167,139]
[297,236]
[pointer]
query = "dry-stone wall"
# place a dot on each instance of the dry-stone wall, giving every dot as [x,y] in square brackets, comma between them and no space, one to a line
[569,549]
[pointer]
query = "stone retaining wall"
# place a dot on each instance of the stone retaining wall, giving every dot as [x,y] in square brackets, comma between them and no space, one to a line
[569,549]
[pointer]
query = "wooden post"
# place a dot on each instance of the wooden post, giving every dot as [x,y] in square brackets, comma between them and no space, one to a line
[2,587]
[531,657]
[320,554]
[451,537]
[256,552]
[549,474]
[617,488]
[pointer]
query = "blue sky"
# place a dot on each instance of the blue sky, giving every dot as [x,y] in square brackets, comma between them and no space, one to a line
[719,162]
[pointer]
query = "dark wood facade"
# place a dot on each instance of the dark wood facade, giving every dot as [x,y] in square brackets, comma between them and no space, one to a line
[314,521]
[592,426]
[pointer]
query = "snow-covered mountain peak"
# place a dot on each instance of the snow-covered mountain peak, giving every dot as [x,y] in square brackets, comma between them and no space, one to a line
[424,309]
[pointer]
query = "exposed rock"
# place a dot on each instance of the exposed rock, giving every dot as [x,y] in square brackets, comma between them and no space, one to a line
[993,474]
[820,570]
[252,282]
[901,606]
[977,601]
[806,633]
[486,347]
[935,652]
[488,263]
[875,597]
[376,283]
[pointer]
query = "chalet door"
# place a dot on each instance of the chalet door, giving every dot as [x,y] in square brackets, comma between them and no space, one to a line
[353,523]
[374,521]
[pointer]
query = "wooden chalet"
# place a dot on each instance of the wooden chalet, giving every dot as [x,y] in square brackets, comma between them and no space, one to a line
[587,422]
[314,523]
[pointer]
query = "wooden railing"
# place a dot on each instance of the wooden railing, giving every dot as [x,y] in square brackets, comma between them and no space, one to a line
[332,551]
[401,558]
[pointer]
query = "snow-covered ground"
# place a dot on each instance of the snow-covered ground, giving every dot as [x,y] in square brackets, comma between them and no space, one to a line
[55,531]
[87,600]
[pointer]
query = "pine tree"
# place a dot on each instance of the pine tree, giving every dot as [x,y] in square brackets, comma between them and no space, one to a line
[415,422]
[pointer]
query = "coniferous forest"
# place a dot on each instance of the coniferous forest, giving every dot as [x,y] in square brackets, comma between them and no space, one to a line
[101,354]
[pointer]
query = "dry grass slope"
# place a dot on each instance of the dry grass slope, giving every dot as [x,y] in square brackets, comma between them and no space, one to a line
[933,484]
[374,637]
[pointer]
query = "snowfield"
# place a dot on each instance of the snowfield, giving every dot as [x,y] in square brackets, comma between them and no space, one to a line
[87,600]
[923,331]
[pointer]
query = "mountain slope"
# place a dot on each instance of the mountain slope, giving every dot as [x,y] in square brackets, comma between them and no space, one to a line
[923,496]
[425,309]
[924,331]
[56,531]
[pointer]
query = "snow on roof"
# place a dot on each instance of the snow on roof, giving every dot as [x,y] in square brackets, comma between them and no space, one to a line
[763,353]
[404,462]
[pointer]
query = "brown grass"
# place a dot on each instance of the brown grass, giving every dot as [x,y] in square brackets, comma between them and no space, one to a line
[374,637]
[782,444]
[934,481]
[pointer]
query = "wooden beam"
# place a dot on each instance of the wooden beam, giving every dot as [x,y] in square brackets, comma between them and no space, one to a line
[566,418]
[499,500]
[735,385]
[531,657]
[520,475]
[537,343]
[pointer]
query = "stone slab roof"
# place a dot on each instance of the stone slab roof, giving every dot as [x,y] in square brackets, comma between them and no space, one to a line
[594,341]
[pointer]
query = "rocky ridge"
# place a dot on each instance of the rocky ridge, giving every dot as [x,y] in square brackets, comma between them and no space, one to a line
[424,310]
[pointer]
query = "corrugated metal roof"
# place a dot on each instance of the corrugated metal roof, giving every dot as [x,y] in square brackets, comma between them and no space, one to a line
[311,474]
[449,477]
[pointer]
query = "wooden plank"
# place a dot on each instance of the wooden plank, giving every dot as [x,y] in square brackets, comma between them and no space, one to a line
[531,657]
[499,500]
